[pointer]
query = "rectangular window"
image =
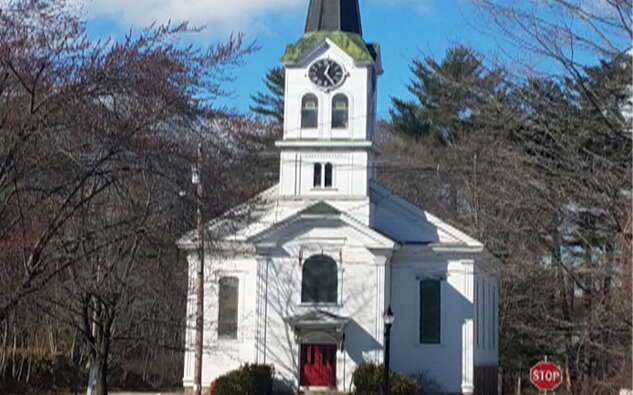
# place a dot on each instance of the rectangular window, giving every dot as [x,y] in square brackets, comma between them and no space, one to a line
[317,175]
[484,322]
[477,318]
[491,314]
[227,308]
[430,311]
[495,315]
[328,175]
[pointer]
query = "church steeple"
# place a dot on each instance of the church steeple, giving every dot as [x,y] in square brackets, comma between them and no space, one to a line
[333,15]
[327,150]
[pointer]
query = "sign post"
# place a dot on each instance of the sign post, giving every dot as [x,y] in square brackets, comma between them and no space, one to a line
[546,376]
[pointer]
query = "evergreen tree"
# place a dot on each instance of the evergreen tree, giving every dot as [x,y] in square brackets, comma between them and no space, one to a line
[271,103]
[447,95]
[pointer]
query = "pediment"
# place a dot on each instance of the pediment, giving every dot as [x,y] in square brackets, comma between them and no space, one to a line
[322,224]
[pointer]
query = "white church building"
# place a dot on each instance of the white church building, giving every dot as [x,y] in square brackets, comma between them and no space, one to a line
[304,284]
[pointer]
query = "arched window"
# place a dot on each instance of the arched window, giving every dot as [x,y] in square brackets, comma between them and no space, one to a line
[227,308]
[340,112]
[328,175]
[317,175]
[320,280]
[309,111]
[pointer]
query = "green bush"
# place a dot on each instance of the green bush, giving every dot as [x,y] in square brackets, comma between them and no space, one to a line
[247,380]
[368,379]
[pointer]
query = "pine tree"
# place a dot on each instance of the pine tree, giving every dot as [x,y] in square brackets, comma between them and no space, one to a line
[271,103]
[447,95]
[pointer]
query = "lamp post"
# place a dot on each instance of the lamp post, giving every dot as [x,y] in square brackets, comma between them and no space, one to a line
[389,319]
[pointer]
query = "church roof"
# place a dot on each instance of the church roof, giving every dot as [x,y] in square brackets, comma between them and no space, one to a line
[332,15]
[350,43]
[340,22]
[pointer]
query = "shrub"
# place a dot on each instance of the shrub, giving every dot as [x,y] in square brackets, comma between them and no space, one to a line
[367,380]
[427,385]
[247,380]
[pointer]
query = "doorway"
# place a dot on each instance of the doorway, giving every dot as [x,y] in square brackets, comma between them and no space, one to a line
[318,365]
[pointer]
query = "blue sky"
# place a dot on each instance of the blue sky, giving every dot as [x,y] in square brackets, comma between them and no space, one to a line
[404,28]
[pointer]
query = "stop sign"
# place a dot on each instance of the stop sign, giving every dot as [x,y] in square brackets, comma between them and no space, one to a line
[546,376]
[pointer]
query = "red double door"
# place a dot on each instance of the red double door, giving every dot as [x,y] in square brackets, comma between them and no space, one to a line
[318,365]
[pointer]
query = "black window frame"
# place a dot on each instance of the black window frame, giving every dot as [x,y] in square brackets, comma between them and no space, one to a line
[430,332]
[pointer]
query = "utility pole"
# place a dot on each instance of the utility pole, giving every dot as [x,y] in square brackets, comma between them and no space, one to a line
[196,180]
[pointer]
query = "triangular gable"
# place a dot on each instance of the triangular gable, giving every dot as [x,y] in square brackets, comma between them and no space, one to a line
[322,211]
[321,208]
[395,220]
[407,223]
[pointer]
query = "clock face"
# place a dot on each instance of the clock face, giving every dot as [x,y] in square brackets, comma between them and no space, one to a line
[326,73]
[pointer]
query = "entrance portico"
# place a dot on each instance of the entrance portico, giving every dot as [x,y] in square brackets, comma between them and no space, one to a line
[320,335]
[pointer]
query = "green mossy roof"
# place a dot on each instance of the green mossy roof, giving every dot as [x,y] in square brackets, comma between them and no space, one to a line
[351,43]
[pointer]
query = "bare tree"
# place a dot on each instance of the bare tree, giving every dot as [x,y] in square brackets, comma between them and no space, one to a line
[544,179]
[70,110]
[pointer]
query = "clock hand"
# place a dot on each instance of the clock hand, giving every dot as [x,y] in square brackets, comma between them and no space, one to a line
[327,74]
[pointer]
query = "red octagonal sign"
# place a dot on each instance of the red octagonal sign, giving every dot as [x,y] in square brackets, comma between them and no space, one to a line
[546,376]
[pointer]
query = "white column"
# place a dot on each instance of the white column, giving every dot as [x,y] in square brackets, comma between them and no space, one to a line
[263,264]
[380,304]
[468,356]
[259,304]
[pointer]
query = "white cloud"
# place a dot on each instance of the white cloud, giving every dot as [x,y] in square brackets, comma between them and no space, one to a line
[219,16]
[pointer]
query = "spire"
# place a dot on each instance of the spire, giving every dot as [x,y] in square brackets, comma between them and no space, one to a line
[329,15]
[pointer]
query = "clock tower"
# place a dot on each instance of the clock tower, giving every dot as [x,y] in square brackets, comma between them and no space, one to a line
[327,150]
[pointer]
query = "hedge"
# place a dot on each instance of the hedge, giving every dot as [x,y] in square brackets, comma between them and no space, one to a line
[368,380]
[247,380]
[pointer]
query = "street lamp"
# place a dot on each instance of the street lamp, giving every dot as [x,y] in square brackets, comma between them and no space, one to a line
[389,319]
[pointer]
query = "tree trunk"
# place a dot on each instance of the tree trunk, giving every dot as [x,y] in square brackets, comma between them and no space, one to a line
[101,387]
